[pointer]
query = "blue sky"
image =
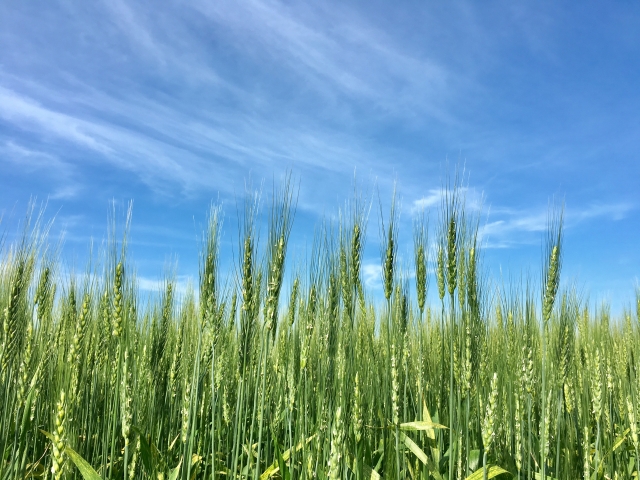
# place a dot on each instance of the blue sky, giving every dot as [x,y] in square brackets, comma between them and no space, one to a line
[177,104]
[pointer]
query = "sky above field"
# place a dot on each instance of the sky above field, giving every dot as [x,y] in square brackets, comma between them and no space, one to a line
[175,105]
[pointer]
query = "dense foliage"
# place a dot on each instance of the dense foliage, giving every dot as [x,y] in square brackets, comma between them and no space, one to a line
[247,380]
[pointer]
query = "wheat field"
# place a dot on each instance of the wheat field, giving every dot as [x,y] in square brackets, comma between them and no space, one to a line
[268,372]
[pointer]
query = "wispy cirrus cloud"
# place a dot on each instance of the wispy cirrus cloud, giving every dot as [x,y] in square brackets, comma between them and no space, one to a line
[167,147]
[506,227]
[167,141]
[198,116]
[63,182]
[27,113]
[471,198]
[372,275]
[610,211]
[339,53]
[516,227]
[30,158]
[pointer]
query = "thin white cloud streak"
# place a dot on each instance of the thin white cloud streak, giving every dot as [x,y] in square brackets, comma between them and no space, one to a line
[18,109]
[182,284]
[431,200]
[167,141]
[118,145]
[29,160]
[372,275]
[66,192]
[132,27]
[111,142]
[616,212]
[471,198]
[507,227]
[351,58]
[169,145]
[518,226]
[167,45]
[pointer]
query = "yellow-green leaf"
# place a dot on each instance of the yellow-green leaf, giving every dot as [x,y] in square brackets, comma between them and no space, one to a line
[418,452]
[620,440]
[538,476]
[415,449]
[370,473]
[174,473]
[427,416]
[492,471]
[47,434]
[420,425]
[274,468]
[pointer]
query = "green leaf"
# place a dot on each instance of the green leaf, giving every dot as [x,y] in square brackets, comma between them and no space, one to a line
[26,412]
[146,455]
[537,476]
[474,459]
[620,440]
[370,473]
[47,434]
[492,471]
[274,468]
[630,468]
[174,473]
[377,467]
[284,471]
[418,452]
[415,449]
[87,471]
